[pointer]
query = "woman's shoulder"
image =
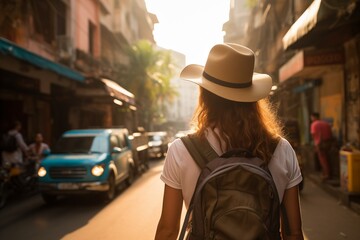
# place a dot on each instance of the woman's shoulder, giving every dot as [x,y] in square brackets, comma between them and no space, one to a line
[283,148]
[176,146]
[284,143]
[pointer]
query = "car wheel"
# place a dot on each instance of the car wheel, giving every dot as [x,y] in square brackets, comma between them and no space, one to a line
[145,158]
[48,198]
[131,177]
[109,195]
[162,152]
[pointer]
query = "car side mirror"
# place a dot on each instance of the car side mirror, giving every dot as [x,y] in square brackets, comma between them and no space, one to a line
[116,150]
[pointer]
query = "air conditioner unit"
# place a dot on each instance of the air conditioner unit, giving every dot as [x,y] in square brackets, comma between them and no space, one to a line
[64,48]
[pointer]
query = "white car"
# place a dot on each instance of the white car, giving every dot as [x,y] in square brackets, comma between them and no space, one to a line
[158,144]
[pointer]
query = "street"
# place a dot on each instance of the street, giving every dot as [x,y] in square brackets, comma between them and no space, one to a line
[135,212]
[324,217]
[132,215]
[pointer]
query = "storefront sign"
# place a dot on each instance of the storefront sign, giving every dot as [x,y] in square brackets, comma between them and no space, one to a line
[304,60]
[323,58]
[292,67]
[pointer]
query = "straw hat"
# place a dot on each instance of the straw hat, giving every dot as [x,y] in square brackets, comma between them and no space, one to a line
[229,73]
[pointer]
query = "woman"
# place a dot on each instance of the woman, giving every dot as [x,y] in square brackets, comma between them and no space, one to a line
[232,112]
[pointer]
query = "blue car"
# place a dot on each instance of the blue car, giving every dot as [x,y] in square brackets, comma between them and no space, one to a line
[87,161]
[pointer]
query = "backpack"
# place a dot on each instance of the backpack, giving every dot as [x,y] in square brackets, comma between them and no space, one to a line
[9,142]
[235,196]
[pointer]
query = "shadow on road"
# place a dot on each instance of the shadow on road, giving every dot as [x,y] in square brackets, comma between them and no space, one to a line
[38,220]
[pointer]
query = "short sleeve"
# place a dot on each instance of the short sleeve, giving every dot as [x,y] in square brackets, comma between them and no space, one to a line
[284,167]
[171,171]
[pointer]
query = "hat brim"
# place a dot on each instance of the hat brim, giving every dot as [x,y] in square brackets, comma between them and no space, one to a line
[259,89]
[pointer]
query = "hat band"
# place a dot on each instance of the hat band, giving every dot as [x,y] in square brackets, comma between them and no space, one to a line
[226,84]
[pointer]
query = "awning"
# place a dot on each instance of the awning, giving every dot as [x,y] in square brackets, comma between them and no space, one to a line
[317,12]
[119,92]
[311,64]
[9,48]
[105,90]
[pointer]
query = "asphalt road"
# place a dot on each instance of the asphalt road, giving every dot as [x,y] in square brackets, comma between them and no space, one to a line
[133,215]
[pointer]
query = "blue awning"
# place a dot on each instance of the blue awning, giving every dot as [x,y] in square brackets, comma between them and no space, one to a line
[9,48]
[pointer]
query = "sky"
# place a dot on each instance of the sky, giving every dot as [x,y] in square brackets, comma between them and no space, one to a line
[190,27]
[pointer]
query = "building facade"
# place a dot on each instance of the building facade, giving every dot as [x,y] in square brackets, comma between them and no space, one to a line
[311,50]
[181,110]
[57,60]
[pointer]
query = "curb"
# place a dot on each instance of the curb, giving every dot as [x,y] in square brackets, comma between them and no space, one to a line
[350,200]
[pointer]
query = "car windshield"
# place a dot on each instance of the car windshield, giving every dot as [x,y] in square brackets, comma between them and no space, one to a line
[81,144]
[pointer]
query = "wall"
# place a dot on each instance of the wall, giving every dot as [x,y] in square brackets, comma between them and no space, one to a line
[331,105]
[352,91]
[87,10]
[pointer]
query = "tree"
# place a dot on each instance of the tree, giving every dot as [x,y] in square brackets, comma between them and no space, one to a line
[148,76]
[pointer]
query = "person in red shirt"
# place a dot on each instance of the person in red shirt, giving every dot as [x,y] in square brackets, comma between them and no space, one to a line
[322,136]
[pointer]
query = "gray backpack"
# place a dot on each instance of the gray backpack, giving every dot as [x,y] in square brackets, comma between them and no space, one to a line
[8,143]
[235,196]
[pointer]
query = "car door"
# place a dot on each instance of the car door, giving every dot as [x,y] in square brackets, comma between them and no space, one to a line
[116,155]
[125,152]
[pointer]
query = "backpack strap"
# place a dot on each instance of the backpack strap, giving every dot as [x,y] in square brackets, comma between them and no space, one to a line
[202,153]
[200,150]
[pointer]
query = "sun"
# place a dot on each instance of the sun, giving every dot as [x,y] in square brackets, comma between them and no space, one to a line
[189,27]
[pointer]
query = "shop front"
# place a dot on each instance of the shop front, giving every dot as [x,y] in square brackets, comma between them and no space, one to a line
[313,81]
[34,91]
[104,103]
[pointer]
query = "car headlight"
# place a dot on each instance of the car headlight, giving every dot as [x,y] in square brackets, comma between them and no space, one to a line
[42,172]
[97,170]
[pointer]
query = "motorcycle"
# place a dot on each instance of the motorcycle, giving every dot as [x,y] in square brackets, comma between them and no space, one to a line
[17,180]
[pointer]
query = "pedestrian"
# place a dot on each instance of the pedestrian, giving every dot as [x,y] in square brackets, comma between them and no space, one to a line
[38,149]
[322,136]
[233,111]
[16,157]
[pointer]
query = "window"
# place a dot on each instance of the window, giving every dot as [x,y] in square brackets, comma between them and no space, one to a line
[114,142]
[54,11]
[81,144]
[122,141]
[91,38]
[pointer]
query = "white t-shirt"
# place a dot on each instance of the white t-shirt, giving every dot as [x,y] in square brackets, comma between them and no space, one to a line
[181,172]
[39,153]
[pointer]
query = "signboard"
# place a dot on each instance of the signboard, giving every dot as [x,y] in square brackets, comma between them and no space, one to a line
[305,60]
[312,59]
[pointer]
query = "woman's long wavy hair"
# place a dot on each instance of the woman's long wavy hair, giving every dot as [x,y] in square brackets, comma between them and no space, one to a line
[250,125]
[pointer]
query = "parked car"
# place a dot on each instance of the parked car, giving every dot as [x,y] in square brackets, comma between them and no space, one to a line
[139,145]
[183,133]
[158,144]
[87,161]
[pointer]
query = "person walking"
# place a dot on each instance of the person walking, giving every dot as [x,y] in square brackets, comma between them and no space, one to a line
[322,136]
[16,157]
[233,112]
